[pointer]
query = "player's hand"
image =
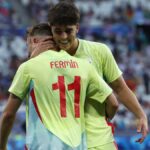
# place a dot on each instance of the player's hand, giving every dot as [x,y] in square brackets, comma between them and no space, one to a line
[142,127]
[45,43]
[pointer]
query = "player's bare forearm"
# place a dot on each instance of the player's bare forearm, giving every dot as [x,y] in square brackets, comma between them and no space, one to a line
[127,97]
[111,106]
[5,128]
[7,119]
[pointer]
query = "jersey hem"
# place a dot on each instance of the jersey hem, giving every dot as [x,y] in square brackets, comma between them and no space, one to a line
[96,145]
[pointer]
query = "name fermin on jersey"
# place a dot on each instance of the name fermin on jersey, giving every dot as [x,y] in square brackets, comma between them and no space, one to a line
[64,64]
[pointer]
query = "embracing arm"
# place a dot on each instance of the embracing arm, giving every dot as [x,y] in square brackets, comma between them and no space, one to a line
[111,106]
[127,98]
[7,119]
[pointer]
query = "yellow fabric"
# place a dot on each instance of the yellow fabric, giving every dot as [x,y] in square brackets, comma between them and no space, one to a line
[108,146]
[100,56]
[44,72]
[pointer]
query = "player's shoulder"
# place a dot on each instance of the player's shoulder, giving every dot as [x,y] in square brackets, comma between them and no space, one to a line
[94,48]
[41,57]
[92,43]
[29,62]
[22,67]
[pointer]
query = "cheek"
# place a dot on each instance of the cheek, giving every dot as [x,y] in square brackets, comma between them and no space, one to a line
[72,37]
[56,38]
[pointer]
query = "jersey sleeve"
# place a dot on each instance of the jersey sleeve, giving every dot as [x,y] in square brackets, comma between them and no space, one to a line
[97,88]
[110,68]
[20,83]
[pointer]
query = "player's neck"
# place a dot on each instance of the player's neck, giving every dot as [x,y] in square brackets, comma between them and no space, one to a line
[74,47]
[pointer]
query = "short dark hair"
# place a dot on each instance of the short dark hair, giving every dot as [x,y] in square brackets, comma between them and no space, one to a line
[39,29]
[64,13]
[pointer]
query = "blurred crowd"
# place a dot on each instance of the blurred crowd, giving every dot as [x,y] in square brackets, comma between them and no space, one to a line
[123,26]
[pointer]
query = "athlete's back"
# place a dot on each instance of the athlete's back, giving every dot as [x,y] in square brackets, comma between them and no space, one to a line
[59,85]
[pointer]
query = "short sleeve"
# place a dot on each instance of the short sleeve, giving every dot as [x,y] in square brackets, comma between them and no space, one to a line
[20,83]
[97,88]
[110,68]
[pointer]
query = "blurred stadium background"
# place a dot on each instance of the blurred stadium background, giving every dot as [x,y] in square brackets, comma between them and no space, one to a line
[124,25]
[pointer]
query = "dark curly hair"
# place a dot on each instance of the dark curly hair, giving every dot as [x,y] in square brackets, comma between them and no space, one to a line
[64,13]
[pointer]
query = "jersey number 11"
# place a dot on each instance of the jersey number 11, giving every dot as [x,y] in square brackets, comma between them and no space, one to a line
[60,85]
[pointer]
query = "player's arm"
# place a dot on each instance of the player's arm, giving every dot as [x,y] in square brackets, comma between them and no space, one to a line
[7,119]
[111,106]
[127,97]
[112,74]
[19,87]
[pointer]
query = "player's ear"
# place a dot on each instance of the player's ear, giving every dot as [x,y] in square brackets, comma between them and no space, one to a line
[34,40]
